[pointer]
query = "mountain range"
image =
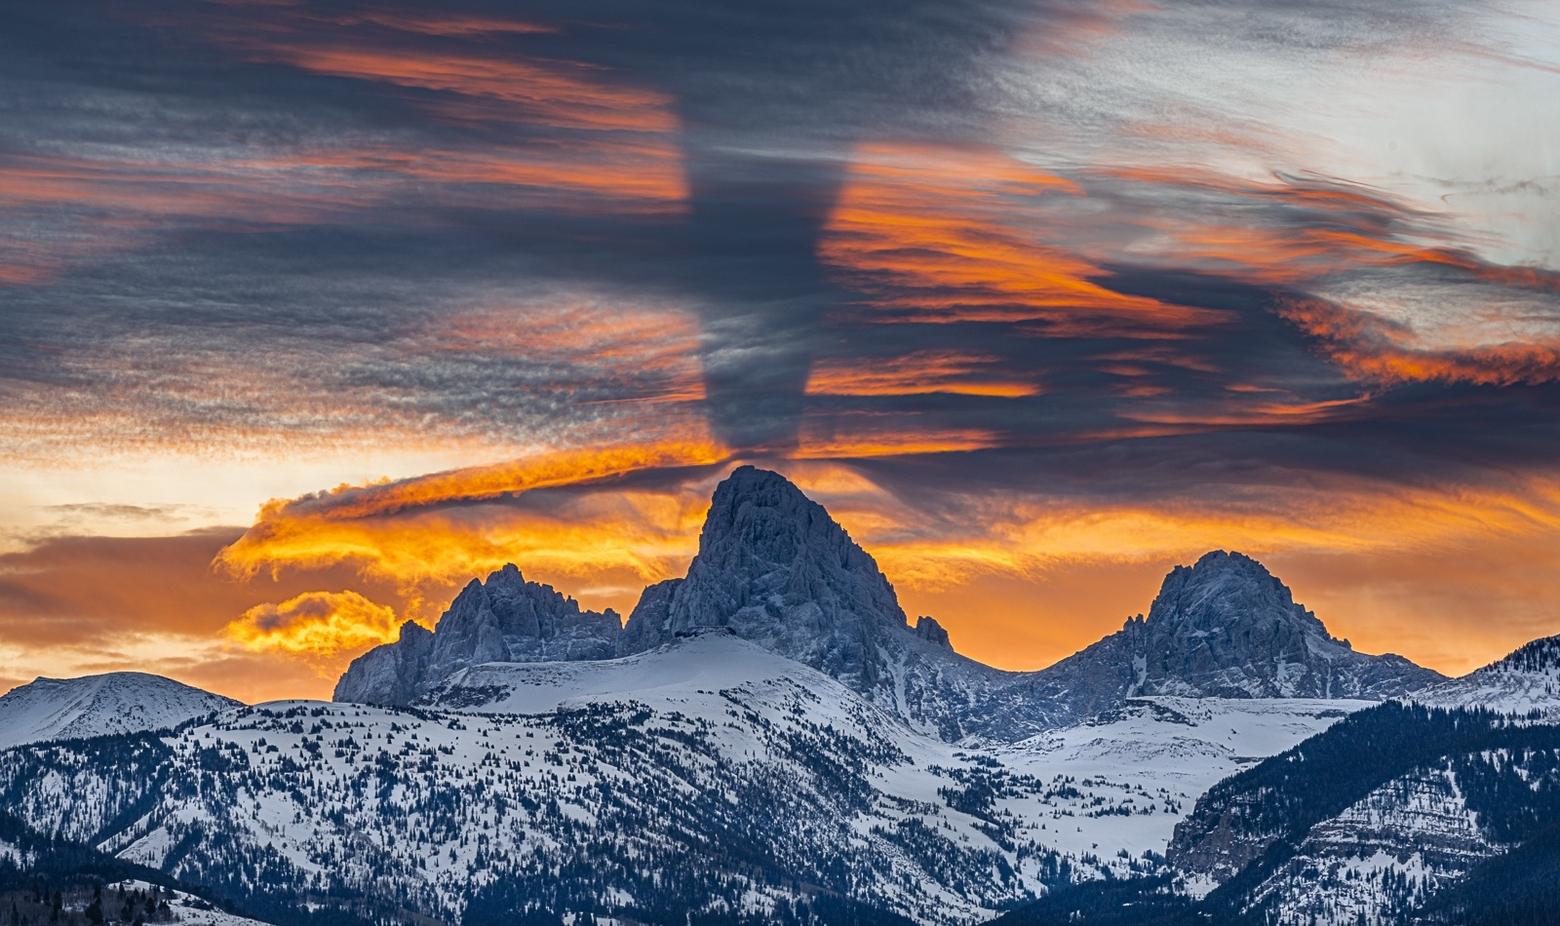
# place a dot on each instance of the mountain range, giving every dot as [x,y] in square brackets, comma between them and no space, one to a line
[774,568]
[771,739]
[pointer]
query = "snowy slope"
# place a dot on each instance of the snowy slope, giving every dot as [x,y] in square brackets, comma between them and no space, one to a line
[1124,779]
[97,705]
[187,909]
[1523,682]
[671,676]
[710,765]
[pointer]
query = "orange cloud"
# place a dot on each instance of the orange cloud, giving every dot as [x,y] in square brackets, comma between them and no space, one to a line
[558,94]
[564,468]
[441,24]
[1371,349]
[644,176]
[919,373]
[600,139]
[1332,227]
[654,353]
[938,234]
[425,533]
[861,436]
[315,624]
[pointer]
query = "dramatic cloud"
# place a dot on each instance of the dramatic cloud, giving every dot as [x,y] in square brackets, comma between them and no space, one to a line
[1038,299]
[315,624]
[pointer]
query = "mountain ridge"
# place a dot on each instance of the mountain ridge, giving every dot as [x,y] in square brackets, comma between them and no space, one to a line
[775,568]
[770,732]
[48,709]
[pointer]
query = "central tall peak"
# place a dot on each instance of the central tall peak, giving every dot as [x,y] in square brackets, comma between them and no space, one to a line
[1226,590]
[775,568]
[760,522]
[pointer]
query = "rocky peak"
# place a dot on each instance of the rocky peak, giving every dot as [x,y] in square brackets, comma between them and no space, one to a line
[1223,592]
[759,520]
[775,568]
[1224,627]
[927,628]
[503,619]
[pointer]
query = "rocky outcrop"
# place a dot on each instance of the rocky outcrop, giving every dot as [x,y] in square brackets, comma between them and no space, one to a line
[927,628]
[389,674]
[1223,627]
[774,568]
[505,619]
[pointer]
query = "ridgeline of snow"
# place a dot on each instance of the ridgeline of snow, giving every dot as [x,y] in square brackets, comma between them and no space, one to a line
[98,705]
[678,766]
[1526,681]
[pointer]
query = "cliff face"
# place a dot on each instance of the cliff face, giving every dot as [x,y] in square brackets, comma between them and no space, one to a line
[774,568]
[504,619]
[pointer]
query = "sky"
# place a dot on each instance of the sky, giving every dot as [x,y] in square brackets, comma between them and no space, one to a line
[312,312]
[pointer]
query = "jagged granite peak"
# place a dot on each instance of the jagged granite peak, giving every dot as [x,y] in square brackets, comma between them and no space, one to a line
[503,619]
[393,673]
[1224,590]
[927,628]
[1223,627]
[99,705]
[775,568]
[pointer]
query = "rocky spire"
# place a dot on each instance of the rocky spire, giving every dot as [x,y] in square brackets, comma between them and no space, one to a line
[1222,627]
[504,619]
[775,568]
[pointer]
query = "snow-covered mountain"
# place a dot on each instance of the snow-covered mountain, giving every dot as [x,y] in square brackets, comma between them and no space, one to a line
[770,737]
[708,774]
[1523,682]
[774,568]
[96,705]
[1371,820]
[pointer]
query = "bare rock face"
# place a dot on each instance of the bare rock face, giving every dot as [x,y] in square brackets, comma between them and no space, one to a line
[927,628]
[505,619]
[389,674]
[774,568]
[1224,627]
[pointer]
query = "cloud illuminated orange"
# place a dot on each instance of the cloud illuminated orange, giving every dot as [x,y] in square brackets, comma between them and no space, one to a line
[1370,349]
[425,533]
[919,373]
[315,624]
[937,235]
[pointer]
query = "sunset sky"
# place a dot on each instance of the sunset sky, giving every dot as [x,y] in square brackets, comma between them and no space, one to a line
[311,312]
